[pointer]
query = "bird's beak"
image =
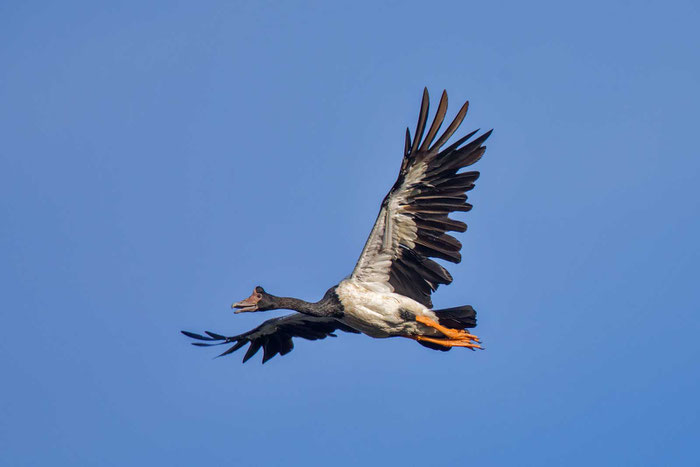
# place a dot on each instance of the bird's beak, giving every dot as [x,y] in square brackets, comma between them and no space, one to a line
[249,304]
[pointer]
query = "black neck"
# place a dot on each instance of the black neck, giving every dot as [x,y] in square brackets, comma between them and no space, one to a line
[290,303]
[329,305]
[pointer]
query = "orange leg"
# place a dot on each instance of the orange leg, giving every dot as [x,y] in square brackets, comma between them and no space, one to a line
[449,342]
[450,333]
[454,337]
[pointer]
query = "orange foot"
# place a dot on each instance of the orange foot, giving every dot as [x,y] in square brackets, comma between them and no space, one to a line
[454,337]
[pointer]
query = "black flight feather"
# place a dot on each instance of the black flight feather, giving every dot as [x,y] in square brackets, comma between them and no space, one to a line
[274,336]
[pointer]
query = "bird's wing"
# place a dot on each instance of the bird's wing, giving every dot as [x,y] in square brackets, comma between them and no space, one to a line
[413,219]
[275,335]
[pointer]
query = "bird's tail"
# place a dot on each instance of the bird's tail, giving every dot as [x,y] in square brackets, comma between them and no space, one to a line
[459,317]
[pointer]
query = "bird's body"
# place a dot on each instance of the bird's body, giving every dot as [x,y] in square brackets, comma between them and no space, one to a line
[381,314]
[389,292]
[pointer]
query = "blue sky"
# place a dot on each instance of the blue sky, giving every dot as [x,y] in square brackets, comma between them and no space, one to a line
[158,161]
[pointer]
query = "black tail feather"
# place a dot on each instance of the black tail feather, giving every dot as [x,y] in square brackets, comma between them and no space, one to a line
[459,317]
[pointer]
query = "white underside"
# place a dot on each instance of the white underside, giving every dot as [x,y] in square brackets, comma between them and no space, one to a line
[377,313]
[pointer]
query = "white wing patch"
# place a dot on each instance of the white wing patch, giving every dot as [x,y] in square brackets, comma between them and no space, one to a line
[392,229]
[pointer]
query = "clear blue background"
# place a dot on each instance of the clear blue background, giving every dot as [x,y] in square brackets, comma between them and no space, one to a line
[160,160]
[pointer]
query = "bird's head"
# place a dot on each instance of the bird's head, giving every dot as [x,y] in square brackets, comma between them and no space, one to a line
[258,301]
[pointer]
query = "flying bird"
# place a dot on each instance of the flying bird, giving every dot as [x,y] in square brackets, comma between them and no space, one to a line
[389,292]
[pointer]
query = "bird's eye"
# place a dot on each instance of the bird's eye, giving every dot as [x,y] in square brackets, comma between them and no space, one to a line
[259,296]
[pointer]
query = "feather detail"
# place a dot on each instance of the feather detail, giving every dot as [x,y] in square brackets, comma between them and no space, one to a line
[274,336]
[414,217]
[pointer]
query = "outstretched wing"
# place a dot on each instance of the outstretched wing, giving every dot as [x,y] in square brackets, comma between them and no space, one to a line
[413,219]
[274,335]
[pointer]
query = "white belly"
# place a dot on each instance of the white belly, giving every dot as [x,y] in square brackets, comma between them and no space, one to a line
[378,314]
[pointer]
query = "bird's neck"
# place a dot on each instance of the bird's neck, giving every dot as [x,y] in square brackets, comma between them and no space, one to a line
[328,306]
[290,303]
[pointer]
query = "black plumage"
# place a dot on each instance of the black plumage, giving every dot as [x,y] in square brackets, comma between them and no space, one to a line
[429,200]
[275,335]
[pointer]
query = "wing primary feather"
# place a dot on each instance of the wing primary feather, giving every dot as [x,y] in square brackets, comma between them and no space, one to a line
[270,348]
[464,158]
[422,117]
[474,144]
[407,144]
[437,122]
[286,345]
[197,336]
[464,182]
[252,350]
[448,150]
[435,252]
[453,126]
[450,224]
[233,348]
[215,335]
